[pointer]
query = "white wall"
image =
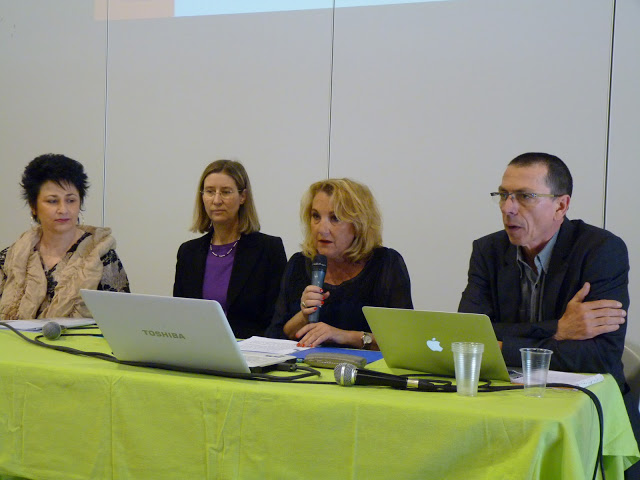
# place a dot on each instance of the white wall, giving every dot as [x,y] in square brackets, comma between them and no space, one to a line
[183,92]
[425,102]
[430,109]
[623,204]
[52,98]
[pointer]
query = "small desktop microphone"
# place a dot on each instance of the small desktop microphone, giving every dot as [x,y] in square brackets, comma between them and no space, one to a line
[348,375]
[318,271]
[52,330]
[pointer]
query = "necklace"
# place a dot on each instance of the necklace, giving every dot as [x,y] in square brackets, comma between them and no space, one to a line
[224,255]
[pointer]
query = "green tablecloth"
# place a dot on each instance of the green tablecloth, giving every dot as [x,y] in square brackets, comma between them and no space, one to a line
[68,417]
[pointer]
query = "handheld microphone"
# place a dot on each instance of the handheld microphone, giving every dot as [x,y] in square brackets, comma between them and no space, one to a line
[318,271]
[52,330]
[348,375]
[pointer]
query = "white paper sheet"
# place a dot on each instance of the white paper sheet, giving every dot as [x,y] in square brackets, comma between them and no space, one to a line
[270,345]
[578,379]
[36,325]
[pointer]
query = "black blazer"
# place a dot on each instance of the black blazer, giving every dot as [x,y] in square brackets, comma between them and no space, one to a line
[254,284]
[582,253]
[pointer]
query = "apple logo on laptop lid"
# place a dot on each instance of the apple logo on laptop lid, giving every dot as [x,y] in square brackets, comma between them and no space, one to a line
[434,345]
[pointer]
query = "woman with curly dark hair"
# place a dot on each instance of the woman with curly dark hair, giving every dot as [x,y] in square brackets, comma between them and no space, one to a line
[42,273]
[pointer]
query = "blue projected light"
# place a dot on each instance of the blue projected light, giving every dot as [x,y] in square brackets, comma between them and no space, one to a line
[370,3]
[196,8]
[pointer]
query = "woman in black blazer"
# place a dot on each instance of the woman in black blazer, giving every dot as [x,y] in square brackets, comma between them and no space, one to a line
[233,263]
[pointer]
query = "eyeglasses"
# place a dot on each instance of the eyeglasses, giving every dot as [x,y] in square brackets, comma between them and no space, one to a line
[225,193]
[523,198]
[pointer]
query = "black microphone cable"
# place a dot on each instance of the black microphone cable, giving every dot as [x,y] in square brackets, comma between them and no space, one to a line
[433,384]
[162,366]
[596,402]
[485,386]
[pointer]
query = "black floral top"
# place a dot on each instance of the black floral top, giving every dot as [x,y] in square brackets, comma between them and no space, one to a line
[114,277]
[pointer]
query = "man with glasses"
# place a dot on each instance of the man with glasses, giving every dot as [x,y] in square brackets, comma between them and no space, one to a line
[550,282]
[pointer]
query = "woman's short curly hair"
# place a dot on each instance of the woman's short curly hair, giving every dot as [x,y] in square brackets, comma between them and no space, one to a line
[352,202]
[56,168]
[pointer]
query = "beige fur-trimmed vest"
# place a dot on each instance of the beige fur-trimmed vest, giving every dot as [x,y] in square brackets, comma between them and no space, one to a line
[25,286]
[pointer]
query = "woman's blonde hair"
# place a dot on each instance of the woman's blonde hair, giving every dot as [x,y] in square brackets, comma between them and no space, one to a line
[352,202]
[247,215]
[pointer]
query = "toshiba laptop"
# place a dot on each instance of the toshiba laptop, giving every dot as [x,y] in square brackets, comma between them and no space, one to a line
[421,340]
[183,332]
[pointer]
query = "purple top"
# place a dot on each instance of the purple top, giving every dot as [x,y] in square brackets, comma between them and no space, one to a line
[217,274]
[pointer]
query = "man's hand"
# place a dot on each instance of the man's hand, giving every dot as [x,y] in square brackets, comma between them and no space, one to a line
[584,320]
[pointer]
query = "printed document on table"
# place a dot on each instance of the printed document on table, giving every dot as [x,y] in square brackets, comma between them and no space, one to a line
[37,324]
[270,345]
[578,379]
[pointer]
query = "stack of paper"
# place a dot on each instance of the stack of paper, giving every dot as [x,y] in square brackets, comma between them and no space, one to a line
[270,345]
[577,379]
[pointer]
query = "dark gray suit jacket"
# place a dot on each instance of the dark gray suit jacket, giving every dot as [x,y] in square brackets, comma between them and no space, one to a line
[582,253]
[254,284]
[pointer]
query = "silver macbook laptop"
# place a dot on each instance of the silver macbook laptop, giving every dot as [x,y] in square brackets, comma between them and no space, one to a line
[183,332]
[421,340]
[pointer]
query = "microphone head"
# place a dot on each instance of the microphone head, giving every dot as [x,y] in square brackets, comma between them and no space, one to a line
[319,263]
[345,374]
[52,330]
